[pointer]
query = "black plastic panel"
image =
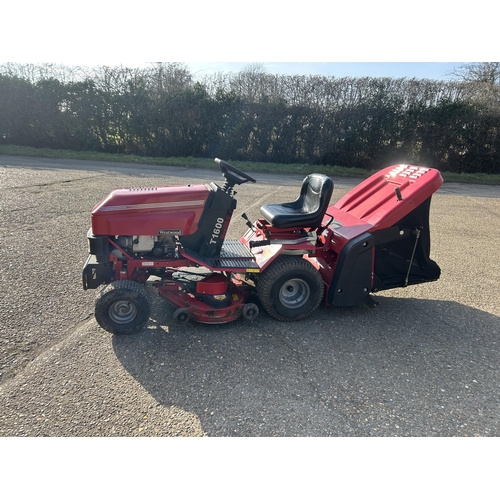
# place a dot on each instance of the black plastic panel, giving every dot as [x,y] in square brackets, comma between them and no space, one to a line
[352,279]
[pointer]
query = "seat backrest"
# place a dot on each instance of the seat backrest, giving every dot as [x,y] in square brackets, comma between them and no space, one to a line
[315,193]
[314,189]
[307,210]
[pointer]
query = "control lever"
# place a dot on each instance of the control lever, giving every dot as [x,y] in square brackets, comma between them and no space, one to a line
[247,220]
[262,243]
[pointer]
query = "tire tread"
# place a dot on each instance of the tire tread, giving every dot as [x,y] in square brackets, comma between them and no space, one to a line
[275,271]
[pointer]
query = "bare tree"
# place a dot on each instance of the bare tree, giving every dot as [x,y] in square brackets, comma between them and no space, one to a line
[484,72]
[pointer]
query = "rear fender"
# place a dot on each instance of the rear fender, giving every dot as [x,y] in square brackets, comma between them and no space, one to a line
[267,243]
[353,276]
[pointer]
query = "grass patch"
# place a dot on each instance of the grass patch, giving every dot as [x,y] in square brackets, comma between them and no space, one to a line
[208,163]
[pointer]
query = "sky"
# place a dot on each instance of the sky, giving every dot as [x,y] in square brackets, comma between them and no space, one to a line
[383,38]
[419,70]
[433,70]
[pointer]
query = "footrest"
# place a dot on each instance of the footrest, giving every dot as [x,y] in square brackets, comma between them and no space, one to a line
[235,250]
[234,256]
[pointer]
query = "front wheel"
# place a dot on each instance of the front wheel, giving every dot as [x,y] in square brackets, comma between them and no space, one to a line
[122,307]
[182,316]
[290,289]
[250,311]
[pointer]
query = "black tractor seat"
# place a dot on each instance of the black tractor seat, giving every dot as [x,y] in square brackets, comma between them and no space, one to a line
[307,210]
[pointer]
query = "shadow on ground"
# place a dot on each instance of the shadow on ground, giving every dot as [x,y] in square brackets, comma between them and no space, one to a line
[409,367]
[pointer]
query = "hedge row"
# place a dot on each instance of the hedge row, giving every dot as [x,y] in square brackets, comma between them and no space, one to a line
[163,111]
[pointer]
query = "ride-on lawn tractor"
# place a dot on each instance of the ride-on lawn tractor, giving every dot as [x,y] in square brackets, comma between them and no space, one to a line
[292,258]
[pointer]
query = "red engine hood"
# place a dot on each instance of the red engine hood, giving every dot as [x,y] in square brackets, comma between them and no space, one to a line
[150,211]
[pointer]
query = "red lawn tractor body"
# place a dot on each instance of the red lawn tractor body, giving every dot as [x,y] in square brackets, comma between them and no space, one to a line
[295,256]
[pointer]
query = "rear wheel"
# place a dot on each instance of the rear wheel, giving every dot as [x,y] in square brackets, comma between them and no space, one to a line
[290,289]
[122,307]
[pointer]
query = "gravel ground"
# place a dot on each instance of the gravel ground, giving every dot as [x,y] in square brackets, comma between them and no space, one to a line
[423,363]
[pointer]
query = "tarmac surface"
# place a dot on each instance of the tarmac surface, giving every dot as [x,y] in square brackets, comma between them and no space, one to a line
[423,363]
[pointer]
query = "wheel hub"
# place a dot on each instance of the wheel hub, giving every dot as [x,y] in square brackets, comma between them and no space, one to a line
[294,293]
[122,311]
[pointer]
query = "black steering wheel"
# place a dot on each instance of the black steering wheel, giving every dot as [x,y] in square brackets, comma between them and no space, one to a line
[232,174]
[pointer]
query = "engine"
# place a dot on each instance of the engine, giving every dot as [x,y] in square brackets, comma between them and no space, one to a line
[158,246]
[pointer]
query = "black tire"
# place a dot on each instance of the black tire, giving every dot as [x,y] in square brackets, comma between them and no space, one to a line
[122,307]
[290,289]
[181,316]
[250,311]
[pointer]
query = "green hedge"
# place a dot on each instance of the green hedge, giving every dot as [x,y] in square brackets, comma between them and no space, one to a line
[161,111]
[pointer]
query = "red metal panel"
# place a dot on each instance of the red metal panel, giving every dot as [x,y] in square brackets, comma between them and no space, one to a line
[149,211]
[215,284]
[375,202]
